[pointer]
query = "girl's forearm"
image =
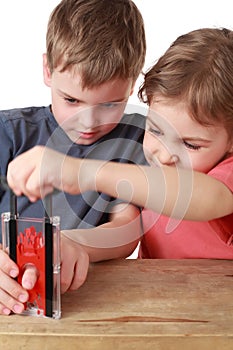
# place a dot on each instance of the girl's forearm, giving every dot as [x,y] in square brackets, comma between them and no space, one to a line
[153,188]
[180,193]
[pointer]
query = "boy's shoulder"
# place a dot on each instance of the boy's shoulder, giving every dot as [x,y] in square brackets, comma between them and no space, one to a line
[134,119]
[131,126]
[26,114]
[124,142]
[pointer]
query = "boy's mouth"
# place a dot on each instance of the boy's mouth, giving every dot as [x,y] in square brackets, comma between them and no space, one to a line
[87,135]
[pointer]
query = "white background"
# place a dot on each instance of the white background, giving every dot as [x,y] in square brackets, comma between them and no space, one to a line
[23,29]
[22,40]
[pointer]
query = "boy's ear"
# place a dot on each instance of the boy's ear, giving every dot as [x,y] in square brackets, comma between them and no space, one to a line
[46,71]
[132,89]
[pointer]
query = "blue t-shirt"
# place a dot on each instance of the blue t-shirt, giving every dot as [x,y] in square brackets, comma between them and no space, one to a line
[22,129]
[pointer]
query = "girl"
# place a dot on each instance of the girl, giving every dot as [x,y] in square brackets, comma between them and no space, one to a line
[190,125]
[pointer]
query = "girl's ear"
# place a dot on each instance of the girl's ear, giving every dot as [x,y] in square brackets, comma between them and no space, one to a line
[46,71]
[231,149]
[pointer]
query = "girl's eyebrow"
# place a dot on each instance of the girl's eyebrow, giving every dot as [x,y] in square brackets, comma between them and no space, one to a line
[153,123]
[186,138]
[196,139]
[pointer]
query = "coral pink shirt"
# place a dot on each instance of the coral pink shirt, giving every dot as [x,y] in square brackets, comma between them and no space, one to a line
[190,239]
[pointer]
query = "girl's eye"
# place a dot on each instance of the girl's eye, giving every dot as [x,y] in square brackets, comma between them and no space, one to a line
[154,131]
[191,146]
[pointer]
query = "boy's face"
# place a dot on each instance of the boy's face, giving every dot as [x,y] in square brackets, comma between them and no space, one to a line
[173,138]
[86,115]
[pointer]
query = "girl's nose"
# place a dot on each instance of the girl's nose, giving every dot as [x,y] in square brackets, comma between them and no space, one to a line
[170,160]
[166,156]
[159,149]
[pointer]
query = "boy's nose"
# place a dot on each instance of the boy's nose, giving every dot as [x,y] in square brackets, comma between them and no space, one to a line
[88,118]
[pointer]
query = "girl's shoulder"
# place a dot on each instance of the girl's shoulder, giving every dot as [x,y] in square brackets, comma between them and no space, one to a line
[223,172]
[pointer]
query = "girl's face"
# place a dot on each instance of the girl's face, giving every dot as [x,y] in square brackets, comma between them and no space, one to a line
[173,138]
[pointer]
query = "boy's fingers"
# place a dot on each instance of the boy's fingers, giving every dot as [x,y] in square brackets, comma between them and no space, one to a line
[4,310]
[80,274]
[66,275]
[12,183]
[12,295]
[10,305]
[8,266]
[30,276]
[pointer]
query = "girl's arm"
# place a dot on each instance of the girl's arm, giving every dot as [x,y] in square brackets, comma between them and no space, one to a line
[179,193]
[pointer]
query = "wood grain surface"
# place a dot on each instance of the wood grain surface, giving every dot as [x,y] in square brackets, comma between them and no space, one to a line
[136,304]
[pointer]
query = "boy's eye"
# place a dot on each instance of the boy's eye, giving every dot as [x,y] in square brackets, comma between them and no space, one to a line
[71,100]
[191,146]
[108,105]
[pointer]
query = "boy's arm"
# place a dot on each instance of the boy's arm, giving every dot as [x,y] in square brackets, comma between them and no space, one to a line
[179,193]
[115,239]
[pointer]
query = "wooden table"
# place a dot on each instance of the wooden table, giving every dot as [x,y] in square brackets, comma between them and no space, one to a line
[136,304]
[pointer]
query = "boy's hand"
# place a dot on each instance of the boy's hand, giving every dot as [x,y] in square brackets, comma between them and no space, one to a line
[74,264]
[74,268]
[40,170]
[35,173]
[12,294]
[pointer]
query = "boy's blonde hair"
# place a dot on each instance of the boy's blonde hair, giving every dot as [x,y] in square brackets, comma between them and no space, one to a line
[101,39]
[198,70]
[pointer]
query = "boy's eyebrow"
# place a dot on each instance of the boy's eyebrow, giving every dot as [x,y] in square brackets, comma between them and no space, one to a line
[67,95]
[122,99]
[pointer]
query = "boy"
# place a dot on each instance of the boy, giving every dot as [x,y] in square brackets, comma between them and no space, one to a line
[95,52]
